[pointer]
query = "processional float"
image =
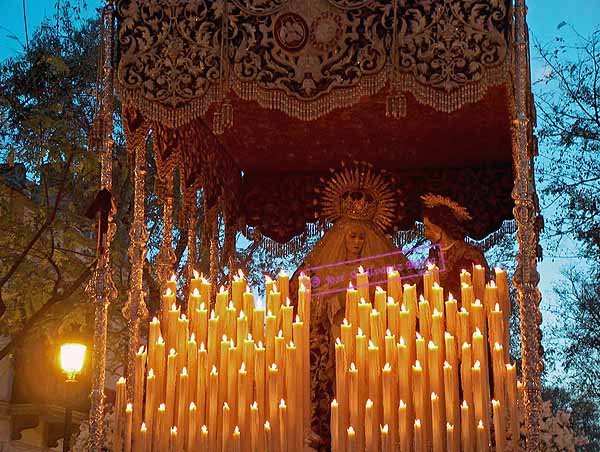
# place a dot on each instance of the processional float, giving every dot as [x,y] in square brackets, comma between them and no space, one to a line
[250,102]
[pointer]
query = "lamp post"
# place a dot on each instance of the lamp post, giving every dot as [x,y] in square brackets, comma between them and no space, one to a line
[72,357]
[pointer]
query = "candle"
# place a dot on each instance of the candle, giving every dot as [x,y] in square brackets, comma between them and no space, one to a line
[274,304]
[437,297]
[150,400]
[437,330]
[352,443]
[283,282]
[182,405]
[192,430]
[256,439]
[291,394]
[505,306]
[467,295]
[394,284]
[490,297]
[271,324]
[496,325]
[242,328]
[393,316]
[212,344]
[499,371]
[465,432]
[245,395]
[364,317]
[380,302]
[120,401]
[236,440]
[259,378]
[193,311]
[409,298]
[226,428]
[172,320]
[346,335]
[192,365]
[195,285]
[269,284]
[230,321]
[129,425]
[238,287]
[451,315]
[477,316]
[499,428]
[437,418]
[390,401]
[353,397]
[221,302]
[404,380]
[283,426]
[386,441]
[161,433]
[204,444]
[258,325]
[143,444]
[269,444]
[153,335]
[182,339]
[202,383]
[511,387]
[391,351]
[408,330]
[450,441]
[336,435]
[482,443]
[341,385]
[463,335]
[418,435]
[352,305]
[171,381]
[404,427]
[274,396]
[371,428]
[374,383]
[362,284]
[248,307]
[425,319]
[419,389]
[479,400]
[376,328]
[232,379]
[279,349]
[451,397]
[287,314]
[479,281]
[213,408]
[465,277]
[173,440]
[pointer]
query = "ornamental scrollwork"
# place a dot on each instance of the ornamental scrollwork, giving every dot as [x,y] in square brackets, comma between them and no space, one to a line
[172,53]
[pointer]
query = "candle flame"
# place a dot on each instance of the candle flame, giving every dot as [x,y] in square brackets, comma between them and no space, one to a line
[280,334]
[196,292]
[243,367]
[353,367]
[254,405]
[387,367]
[374,312]
[464,404]
[477,332]
[492,283]
[204,429]
[495,403]
[421,299]
[401,342]
[225,406]
[361,269]
[143,428]
[202,347]
[419,337]
[510,367]
[242,315]
[403,308]
[236,430]
[141,350]
[184,371]
[275,288]
[448,336]
[193,337]
[162,407]
[173,307]
[291,344]
[418,423]
[240,273]
[151,373]
[273,366]
[388,333]
[450,296]
[196,274]
[449,426]
[436,285]
[155,320]
[359,332]
[172,352]
[362,301]
[402,404]
[298,318]
[477,302]
[213,371]
[270,314]
[168,292]
[434,396]
[160,340]
[334,403]
[249,338]
[287,302]
[390,300]
[260,344]
[417,364]
[231,343]
[477,365]
[224,338]
[248,289]
[231,305]
[371,344]
[267,425]
[350,430]
[345,322]
[497,307]
[183,317]
[447,365]
[193,406]
[173,278]
[222,289]
[212,315]
[268,279]
[497,346]
[465,285]
[282,404]
[466,345]
[338,341]
[436,313]
[369,404]
[480,425]
[379,289]
[302,287]
[174,430]
[121,381]
[431,345]
[463,310]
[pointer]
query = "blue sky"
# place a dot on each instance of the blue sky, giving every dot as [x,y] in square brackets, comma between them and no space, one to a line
[544,17]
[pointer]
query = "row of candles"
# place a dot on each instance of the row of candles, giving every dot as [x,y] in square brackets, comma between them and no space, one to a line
[234,379]
[438,379]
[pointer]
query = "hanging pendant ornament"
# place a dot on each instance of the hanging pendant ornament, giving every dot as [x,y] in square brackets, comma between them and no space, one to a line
[395,101]
[223,117]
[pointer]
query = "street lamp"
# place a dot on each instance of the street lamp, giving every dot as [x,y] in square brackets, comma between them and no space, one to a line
[72,357]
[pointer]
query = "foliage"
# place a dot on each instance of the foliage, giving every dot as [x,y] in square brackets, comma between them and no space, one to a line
[568,105]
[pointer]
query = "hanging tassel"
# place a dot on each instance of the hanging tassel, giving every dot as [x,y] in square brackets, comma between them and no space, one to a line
[395,105]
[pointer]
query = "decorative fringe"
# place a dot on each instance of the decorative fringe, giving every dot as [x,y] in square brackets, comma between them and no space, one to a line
[396,106]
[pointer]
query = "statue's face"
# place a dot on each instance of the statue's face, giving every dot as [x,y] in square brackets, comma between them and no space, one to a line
[432,231]
[355,239]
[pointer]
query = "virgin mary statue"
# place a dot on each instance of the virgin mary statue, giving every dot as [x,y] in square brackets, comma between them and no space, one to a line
[361,205]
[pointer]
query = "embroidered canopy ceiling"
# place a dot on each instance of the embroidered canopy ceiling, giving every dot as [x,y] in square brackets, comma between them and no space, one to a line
[254,100]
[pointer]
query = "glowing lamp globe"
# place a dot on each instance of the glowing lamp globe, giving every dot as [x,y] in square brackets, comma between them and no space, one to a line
[72,357]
